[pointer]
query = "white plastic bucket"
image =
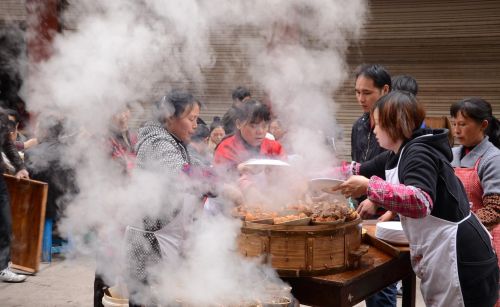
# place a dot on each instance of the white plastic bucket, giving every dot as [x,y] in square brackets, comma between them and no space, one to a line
[114,300]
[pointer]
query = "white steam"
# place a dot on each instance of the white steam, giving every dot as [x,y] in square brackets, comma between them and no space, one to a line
[122,51]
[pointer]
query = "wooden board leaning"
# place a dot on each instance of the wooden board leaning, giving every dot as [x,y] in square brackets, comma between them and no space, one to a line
[28,199]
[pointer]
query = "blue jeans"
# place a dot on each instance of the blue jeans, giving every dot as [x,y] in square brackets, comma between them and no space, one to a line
[385,298]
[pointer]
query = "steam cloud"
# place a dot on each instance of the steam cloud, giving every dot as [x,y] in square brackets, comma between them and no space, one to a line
[122,50]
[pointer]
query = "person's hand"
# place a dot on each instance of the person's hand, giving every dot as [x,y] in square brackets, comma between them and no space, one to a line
[388,216]
[245,169]
[22,174]
[366,209]
[13,136]
[232,193]
[355,186]
[320,197]
[30,143]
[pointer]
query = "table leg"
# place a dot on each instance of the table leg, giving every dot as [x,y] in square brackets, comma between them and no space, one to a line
[409,290]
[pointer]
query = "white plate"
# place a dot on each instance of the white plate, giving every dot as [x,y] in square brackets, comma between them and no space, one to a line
[391,232]
[324,184]
[265,162]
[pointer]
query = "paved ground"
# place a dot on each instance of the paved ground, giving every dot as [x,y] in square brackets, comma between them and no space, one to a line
[65,283]
[60,283]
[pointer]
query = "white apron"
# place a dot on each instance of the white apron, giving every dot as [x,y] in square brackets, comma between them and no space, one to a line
[171,236]
[433,254]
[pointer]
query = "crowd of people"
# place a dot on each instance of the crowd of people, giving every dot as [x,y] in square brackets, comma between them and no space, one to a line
[448,200]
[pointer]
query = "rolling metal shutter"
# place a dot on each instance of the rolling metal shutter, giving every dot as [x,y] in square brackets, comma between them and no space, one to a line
[451,47]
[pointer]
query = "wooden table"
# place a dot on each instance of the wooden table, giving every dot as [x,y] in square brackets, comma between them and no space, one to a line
[382,266]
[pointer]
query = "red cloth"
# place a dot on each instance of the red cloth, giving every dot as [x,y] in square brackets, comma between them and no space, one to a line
[405,200]
[472,185]
[124,150]
[233,150]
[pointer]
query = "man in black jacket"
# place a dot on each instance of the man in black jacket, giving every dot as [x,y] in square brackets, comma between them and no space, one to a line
[8,147]
[372,82]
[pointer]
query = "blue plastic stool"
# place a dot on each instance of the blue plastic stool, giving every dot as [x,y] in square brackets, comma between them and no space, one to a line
[47,241]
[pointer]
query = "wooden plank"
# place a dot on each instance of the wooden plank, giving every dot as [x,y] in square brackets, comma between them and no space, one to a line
[351,287]
[28,199]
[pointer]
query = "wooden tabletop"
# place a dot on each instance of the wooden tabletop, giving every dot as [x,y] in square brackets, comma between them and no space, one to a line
[381,266]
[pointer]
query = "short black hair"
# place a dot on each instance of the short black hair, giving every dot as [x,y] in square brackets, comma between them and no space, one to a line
[377,73]
[240,93]
[202,132]
[405,83]
[253,111]
[216,123]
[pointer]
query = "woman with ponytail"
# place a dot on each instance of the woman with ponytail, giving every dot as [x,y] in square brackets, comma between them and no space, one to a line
[477,160]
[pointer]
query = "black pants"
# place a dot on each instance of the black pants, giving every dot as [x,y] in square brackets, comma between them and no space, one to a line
[99,287]
[5,225]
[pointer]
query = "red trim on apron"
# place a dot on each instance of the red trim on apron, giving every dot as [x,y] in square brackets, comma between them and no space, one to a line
[474,189]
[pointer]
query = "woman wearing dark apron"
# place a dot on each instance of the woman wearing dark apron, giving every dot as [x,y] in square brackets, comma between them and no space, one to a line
[450,249]
[477,160]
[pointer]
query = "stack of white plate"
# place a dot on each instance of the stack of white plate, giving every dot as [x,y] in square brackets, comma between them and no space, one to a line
[391,232]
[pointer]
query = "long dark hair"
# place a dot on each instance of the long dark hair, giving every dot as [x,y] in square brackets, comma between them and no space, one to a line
[479,110]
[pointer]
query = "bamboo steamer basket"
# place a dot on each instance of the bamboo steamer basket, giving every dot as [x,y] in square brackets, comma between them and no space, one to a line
[304,250]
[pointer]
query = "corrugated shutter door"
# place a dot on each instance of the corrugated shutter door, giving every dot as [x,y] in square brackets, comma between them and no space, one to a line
[229,71]
[451,47]
[12,10]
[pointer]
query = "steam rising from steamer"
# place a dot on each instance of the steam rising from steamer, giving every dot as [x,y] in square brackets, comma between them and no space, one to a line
[123,51]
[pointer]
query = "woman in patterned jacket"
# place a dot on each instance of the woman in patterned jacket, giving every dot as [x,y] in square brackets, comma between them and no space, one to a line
[161,150]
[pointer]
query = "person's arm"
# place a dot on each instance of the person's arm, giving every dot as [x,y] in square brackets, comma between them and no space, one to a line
[353,139]
[225,155]
[406,200]
[489,173]
[19,145]
[373,167]
[12,154]
[489,214]
[415,195]
[272,149]
[30,143]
